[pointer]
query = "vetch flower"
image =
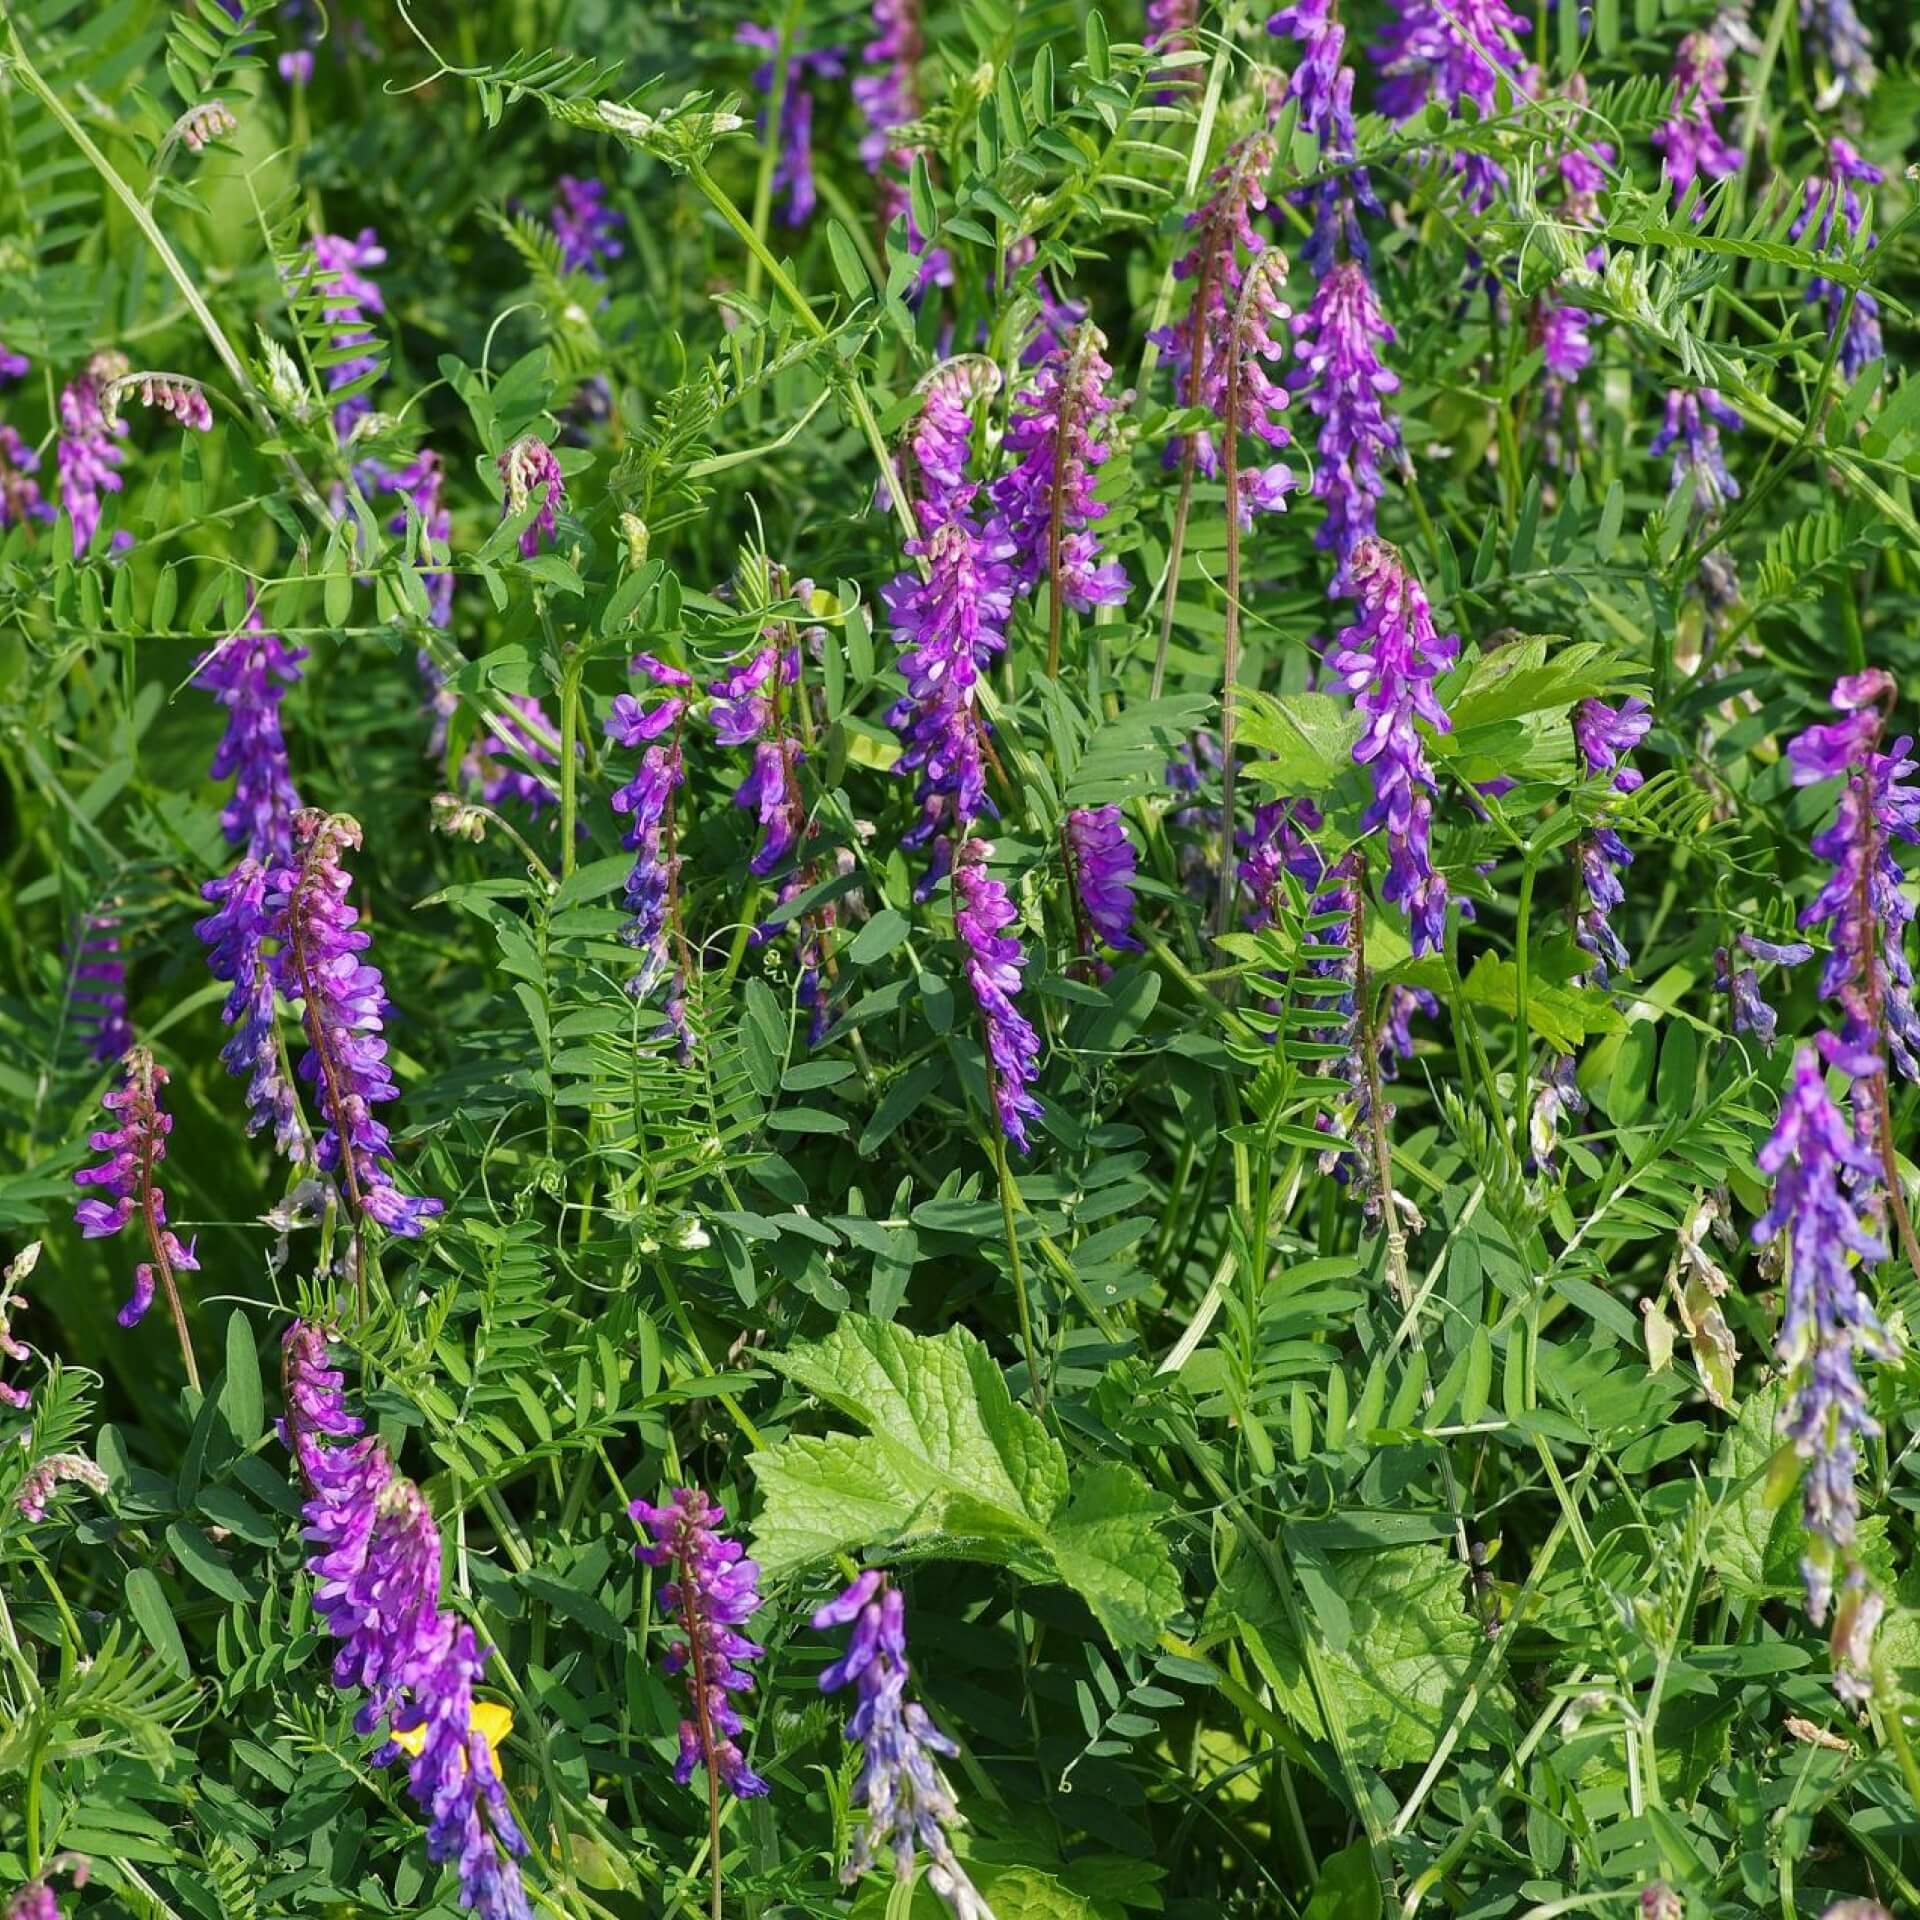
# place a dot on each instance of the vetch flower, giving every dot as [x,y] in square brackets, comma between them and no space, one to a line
[1059,440]
[1323,85]
[419,485]
[888,96]
[1689,139]
[1388,660]
[20,496]
[182,400]
[908,1802]
[1170,25]
[489,766]
[1691,430]
[1863,906]
[376,1568]
[48,1475]
[1447,51]
[13,366]
[249,673]
[1835,192]
[934,459]
[993,964]
[317,961]
[527,465]
[1341,380]
[1835,29]
[715,1590]
[793,171]
[12,1302]
[1603,737]
[89,457]
[99,991]
[588,228]
[1751,1013]
[235,936]
[1101,865]
[648,801]
[35,1901]
[339,275]
[135,1145]
[1828,1324]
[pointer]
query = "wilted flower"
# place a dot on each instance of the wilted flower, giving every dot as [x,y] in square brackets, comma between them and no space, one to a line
[715,1590]
[527,465]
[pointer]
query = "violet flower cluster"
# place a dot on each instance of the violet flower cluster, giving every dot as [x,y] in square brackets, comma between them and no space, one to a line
[745,711]
[376,1569]
[1343,382]
[12,1302]
[235,936]
[1058,438]
[1323,85]
[249,674]
[1836,191]
[526,467]
[1863,907]
[318,944]
[588,229]
[714,1592]
[1689,140]
[1835,29]
[1691,431]
[908,1802]
[1447,51]
[993,963]
[499,763]
[135,1145]
[647,802]
[1603,737]
[99,990]
[793,170]
[36,1900]
[342,280]
[1388,660]
[1828,1325]
[420,485]
[89,454]
[1101,867]
[49,1474]
[21,500]
[1751,1013]
[888,96]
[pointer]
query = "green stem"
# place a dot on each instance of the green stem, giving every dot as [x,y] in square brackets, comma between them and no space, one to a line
[1005,1173]
[1522,1036]
[850,389]
[569,771]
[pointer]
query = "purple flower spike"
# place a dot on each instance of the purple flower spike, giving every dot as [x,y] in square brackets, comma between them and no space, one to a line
[1603,736]
[1388,660]
[1837,31]
[793,173]
[526,466]
[100,990]
[982,913]
[344,1010]
[20,496]
[235,936]
[35,1901]
[1323,85]
[908,1801]
[249,673]
[89,456]
[589,229]
[1447,51]
[1827,194]
[1691,430]
[715,1590]
[647,800]
[13,366]
[135,1146]
[1057,435]
[1690,140]
[1342,382]
[1816,1162]
[342,283]
[1863,907]
[490,766]
[376,1570]
[1101,865]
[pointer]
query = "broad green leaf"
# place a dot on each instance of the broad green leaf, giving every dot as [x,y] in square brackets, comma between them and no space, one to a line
[1410,1646]
[1308,739]
[951,1466]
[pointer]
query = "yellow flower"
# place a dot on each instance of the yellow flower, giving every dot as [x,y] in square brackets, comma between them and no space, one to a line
[490,1720]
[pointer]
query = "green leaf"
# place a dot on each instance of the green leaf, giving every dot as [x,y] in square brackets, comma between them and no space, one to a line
[1410,1646]
[949,1465]
[1308,736]
[240,1396]
[153,1615]
[847,263]
[1348,1887]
